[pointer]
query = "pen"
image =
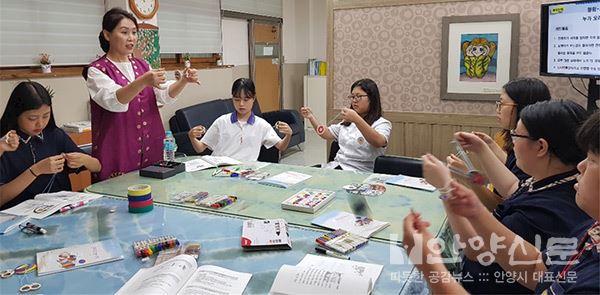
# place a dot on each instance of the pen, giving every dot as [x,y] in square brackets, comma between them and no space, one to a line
[72,206]
[331,253]
[34,228]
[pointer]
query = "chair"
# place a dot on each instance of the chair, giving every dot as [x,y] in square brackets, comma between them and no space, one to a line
[399,165]
[333,149]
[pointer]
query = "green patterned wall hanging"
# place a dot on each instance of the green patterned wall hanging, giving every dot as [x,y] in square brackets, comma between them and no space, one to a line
[147,46]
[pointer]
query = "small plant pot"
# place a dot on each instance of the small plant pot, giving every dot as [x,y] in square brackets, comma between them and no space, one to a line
[187,64]
[46,69]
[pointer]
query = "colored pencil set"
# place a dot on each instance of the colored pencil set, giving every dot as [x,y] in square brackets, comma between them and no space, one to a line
[216,201]
[149,247]
[341,241]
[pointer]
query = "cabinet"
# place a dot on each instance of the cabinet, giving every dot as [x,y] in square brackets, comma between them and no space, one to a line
[315,97]
[82,179]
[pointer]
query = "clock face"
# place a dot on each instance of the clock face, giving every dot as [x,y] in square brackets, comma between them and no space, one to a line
[144,9]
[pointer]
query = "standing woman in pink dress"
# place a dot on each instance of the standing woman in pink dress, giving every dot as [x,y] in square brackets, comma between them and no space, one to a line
[127,131]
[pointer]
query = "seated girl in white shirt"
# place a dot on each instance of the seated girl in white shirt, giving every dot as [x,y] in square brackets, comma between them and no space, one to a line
[363,133]
[240,134]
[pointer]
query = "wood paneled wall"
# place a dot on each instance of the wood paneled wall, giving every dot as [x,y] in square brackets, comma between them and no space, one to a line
[414,134]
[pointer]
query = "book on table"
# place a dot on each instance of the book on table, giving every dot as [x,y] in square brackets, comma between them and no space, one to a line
[182,275]
[326,275]
[266,234]
[207,162]
[412,182]
[308,200]
[285,179]
[74,257]
[359,225]
[44,205]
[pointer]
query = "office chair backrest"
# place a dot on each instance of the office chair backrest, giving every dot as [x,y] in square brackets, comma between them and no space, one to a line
[333,149]
[399,165]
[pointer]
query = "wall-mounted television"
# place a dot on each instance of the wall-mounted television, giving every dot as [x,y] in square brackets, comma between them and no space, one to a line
[570,39]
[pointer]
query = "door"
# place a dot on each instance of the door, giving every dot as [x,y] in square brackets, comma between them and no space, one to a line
[266,70]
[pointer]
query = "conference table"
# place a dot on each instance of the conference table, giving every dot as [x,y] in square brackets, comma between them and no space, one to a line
[261,201]
[217,230]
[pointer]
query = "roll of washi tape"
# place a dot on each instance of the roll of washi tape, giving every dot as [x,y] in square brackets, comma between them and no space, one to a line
[138,190]
[141,210]
[141,204]
[140,198]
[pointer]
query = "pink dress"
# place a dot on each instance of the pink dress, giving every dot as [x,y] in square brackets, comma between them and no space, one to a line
[126,141]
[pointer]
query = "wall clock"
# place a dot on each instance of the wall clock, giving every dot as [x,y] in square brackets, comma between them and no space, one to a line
[144,9]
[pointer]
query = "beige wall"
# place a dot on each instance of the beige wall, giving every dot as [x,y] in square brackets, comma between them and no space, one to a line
[400,48]
[302,40]
[71,98]
[293,88]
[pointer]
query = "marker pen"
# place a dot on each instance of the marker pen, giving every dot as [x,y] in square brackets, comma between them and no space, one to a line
[331,253]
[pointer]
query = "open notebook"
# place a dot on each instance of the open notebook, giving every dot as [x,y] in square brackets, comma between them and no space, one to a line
[182,275]
[325,275]
[206,162]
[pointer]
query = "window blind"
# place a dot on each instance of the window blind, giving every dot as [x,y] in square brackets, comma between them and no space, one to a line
[190,26]
[272,8]
[67,30]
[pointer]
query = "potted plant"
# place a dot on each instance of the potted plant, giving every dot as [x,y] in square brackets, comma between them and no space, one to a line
[187,60]
[45,62]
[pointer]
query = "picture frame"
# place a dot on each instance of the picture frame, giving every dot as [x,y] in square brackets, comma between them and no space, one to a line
[480,54]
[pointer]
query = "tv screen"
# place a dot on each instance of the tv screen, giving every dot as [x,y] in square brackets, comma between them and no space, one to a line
[570,39]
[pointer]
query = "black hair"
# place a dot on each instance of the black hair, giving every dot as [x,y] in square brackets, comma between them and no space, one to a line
[243,84]
[110,21]
[588,136]
[557,122]
[370,88]
[524,92]
[26,96]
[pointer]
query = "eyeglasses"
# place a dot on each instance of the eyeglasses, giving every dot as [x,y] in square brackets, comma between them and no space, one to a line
[356,98]
[514,135]
[245,99]
[499,105]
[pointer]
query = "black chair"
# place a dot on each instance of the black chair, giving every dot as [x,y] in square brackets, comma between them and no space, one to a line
[333,149]
[399,165]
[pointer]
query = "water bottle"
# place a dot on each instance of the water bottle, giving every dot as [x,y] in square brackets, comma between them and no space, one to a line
[169,146]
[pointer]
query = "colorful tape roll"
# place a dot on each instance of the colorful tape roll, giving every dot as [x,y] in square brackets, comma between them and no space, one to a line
[140,198]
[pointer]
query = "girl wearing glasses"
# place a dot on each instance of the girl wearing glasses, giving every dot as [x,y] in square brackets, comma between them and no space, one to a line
[514,97]
[574,269]
[539,208]
[363,133]
[45,155]
[240,134]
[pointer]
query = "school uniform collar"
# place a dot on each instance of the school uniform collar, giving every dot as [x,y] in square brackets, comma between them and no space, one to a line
[548,180]
[24,138]
[234,118]
[594,234]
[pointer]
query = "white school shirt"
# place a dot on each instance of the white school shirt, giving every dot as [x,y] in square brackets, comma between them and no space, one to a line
[103,89]
[355,152]
[228,136]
